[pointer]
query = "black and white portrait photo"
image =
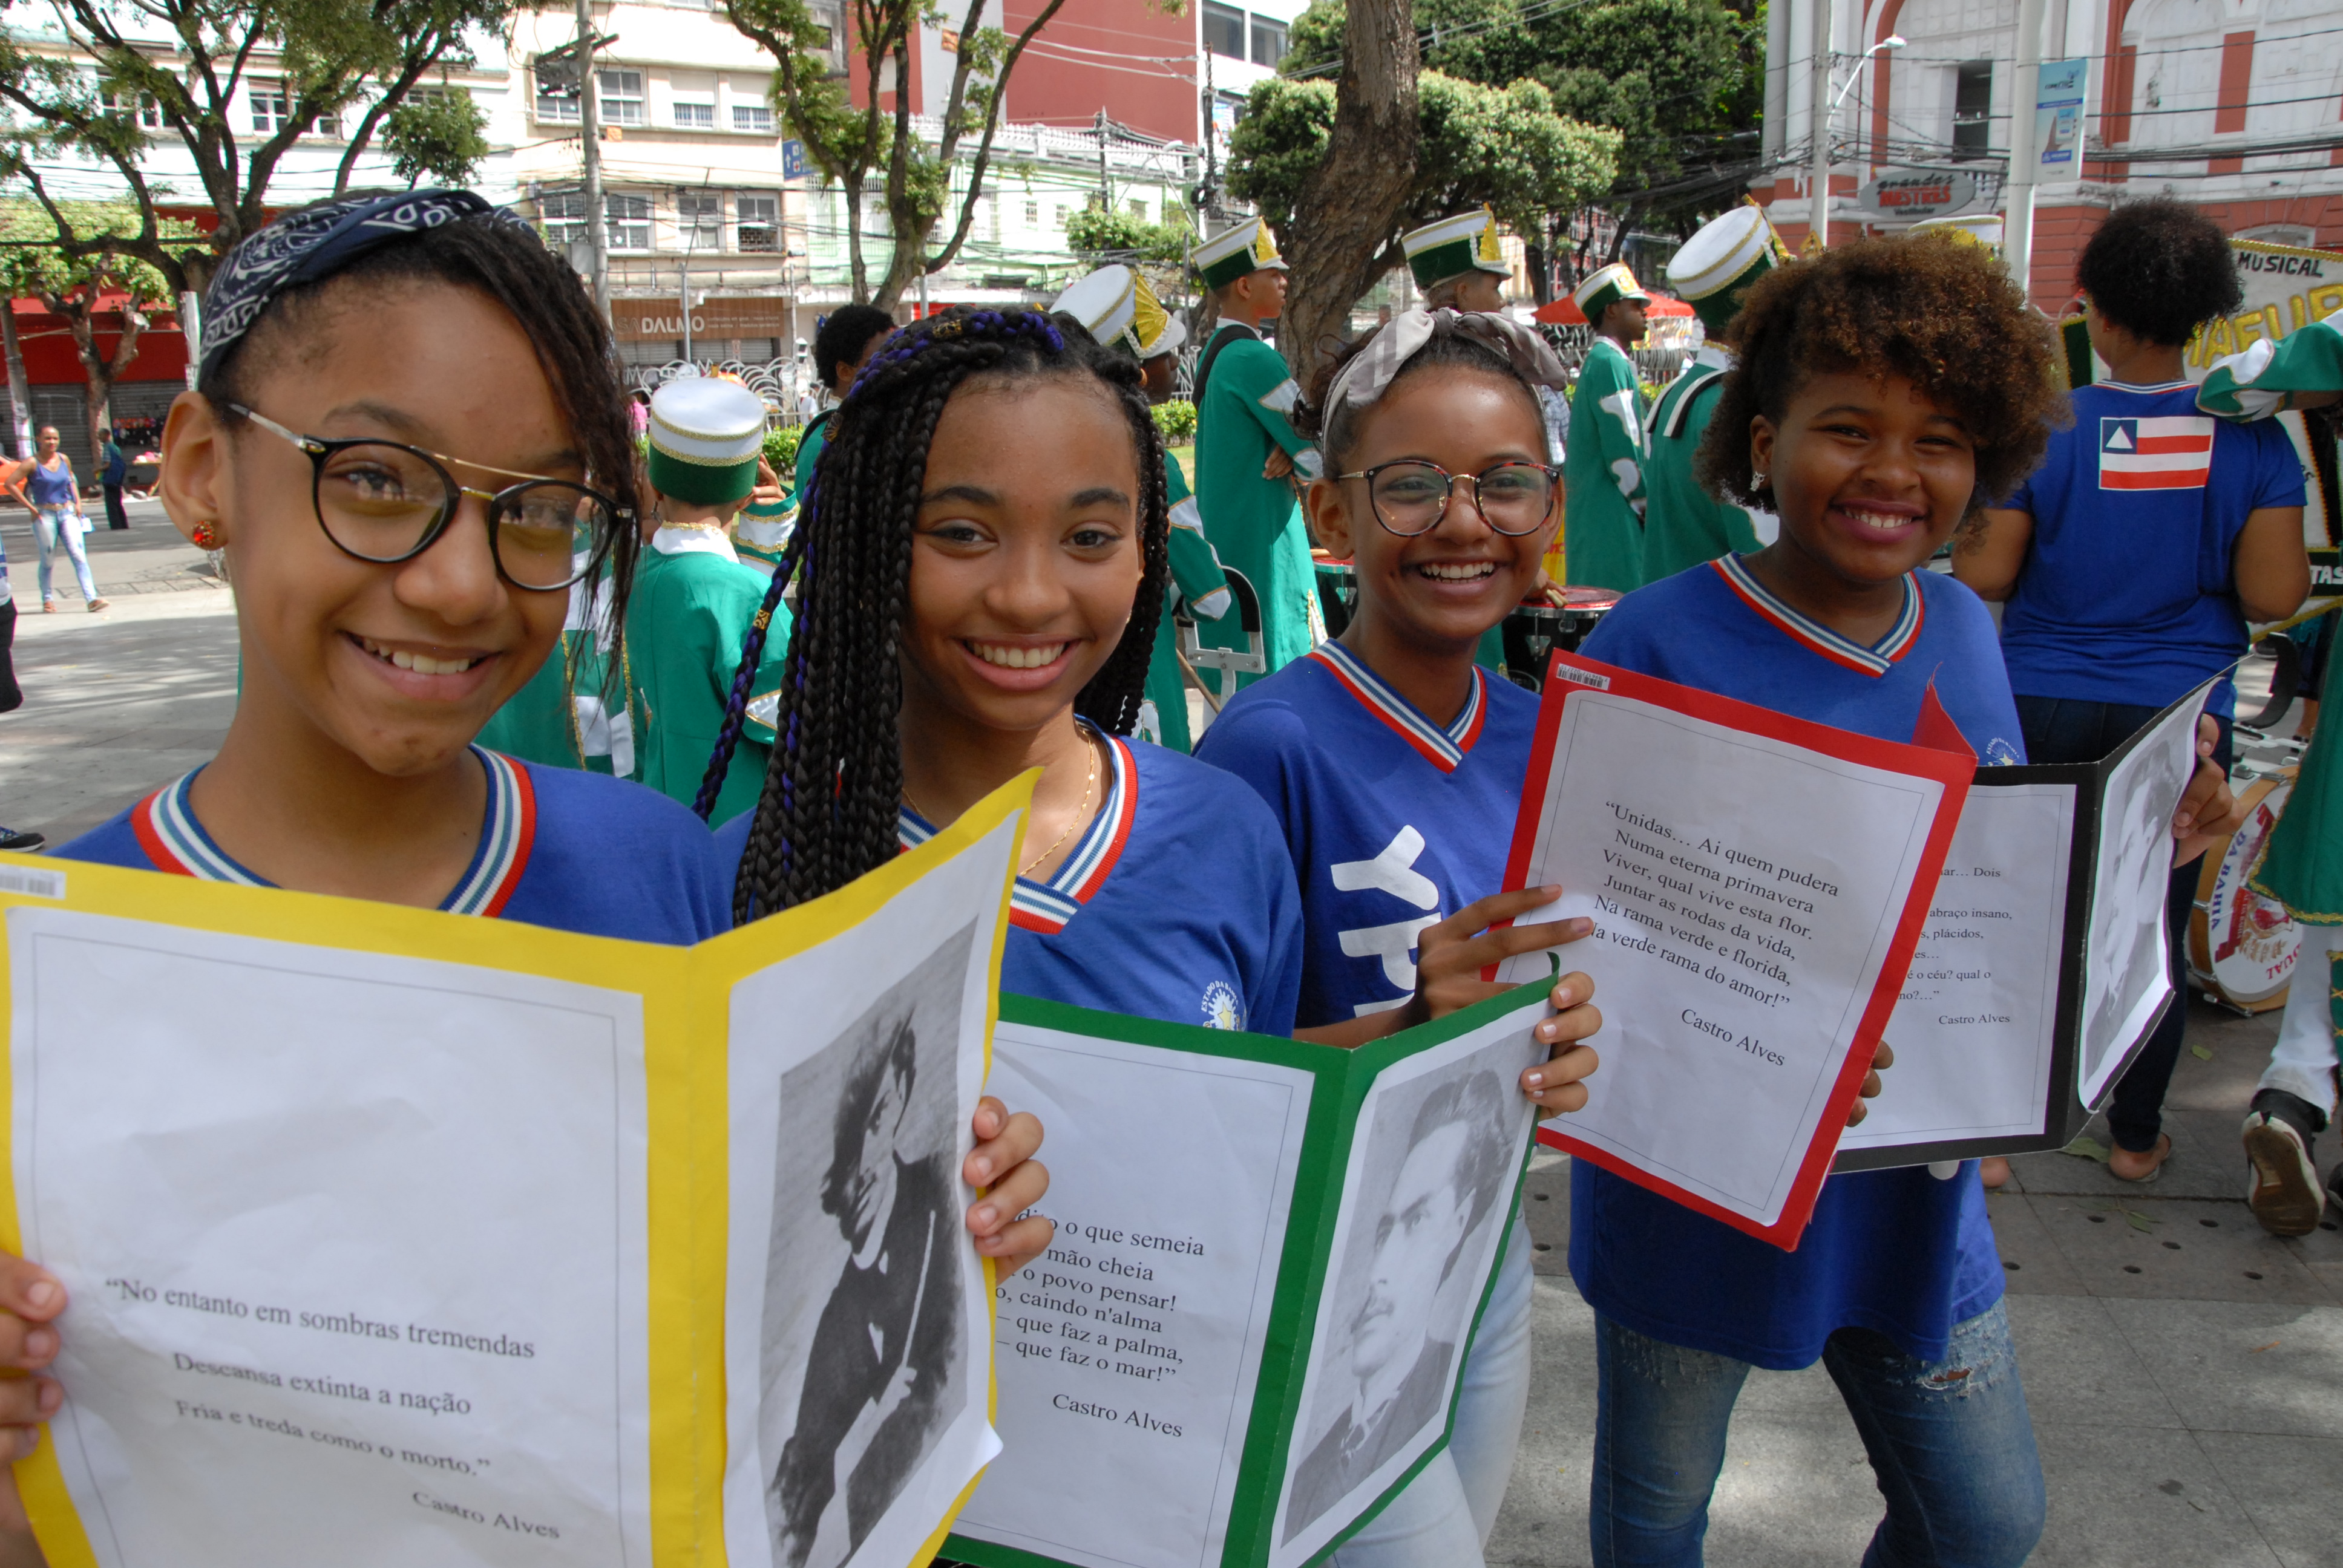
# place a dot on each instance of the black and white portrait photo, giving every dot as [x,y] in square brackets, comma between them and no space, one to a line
[2128,964]
[1406,1276]
[863,1311]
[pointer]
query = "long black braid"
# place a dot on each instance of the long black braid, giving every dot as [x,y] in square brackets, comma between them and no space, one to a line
[828,812]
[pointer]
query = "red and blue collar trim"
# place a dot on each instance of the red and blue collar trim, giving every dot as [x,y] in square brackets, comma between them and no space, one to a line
[177,843]
[1444,749]
[1047,907]
[1874,661]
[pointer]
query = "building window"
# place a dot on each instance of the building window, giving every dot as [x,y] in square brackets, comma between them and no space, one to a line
[563,214]
[622,96]
[1060,221]
[760,222]
[1972,106]
[118,104]
[1268,41]
[557,91]
[755,117]
[699,219]
[628,221]
[691,116]
[1224,30]
[1139,209]
[1032,215]
[271,107]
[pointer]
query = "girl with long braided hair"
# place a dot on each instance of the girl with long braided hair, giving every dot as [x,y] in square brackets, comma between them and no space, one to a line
[974,605]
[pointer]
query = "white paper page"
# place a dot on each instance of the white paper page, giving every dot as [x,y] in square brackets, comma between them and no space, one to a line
[354,1243]
[857,1331]
[1745,892]
[1426,1194]
[1127,1355]
[1974,1030]
[2127,975]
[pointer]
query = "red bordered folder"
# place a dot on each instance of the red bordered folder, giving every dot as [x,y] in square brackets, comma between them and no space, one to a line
[1759,883]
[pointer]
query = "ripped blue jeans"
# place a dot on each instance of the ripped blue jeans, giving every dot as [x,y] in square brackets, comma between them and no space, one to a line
[1950,1442]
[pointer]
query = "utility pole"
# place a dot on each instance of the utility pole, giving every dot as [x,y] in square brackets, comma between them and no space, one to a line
[1819,117]
[2024,154]
[589,125]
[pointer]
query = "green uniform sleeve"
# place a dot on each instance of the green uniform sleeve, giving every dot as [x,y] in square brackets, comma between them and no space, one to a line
[1610,407]
[1196,569]
[808,449]
[1269,392]
[2259,382]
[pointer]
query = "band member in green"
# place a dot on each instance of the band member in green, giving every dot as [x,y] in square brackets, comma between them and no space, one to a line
[1457,264]
[842,346]
[1247,449]
[1603,472]
[693,599]
[1121,311]
[1684,525]
[573,713]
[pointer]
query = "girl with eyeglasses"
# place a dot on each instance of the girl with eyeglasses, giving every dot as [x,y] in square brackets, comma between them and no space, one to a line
[1394,766]
[406,410]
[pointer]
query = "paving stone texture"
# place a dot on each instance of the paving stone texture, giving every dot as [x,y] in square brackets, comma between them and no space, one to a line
[2185,1370]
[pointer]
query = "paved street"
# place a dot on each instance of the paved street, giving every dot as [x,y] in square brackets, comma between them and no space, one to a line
[2185,1370]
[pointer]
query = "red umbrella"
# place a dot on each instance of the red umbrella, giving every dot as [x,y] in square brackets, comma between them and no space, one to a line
[1564,312]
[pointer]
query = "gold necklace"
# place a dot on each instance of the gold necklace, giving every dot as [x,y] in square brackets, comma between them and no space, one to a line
[1082,812]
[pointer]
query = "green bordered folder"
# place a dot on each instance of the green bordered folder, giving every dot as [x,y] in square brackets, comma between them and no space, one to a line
[1270,1260]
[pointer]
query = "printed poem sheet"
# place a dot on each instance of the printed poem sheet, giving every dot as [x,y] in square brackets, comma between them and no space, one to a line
[349,1359]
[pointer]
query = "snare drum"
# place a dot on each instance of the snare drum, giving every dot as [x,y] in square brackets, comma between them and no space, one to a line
[2242,944]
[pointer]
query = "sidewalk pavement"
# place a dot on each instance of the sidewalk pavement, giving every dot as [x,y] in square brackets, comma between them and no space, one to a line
[121,701]
[2183,1369]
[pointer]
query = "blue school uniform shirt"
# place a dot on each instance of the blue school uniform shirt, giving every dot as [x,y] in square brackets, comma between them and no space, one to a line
[1897,1251]
[1177,903]
[1393,821]
[573,851]
[2127,593]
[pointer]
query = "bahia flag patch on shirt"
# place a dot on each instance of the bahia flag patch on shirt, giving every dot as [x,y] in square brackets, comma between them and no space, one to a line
[2169,452]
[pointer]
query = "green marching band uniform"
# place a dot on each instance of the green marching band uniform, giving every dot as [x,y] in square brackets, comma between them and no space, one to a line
[1243,394]
[693,599]
[1436,254]
[763,532]
[2302,865]
[1603,472]
[563,717]
[1684,525]
[1120,311]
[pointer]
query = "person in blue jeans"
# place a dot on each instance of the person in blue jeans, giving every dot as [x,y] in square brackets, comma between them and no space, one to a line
[2134,557]
[57,520]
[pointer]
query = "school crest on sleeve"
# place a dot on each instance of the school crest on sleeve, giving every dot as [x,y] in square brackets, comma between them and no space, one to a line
[1223,1009]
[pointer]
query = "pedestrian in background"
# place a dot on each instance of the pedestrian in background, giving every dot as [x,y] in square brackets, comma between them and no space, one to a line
[113,469]
[57,520]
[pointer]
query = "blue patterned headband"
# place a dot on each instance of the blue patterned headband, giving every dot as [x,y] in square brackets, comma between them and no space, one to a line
[316,243]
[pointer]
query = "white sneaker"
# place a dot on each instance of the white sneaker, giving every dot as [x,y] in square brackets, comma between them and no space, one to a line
[2284,1192]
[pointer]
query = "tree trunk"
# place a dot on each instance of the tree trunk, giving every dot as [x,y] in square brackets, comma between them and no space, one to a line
[852,184]
[20,396]
[1352,201]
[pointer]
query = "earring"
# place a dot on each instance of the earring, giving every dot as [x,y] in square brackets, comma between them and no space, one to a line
[207,535]
[1758,480]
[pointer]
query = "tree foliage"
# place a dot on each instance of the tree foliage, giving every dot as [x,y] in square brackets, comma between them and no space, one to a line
[849,144]
[46,255]
[1507,147]
[443,135]
[1101,234]
[1678,79]
[189,63]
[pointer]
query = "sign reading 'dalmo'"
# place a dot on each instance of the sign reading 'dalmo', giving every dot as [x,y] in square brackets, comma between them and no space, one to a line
[734,316]
[1918,193]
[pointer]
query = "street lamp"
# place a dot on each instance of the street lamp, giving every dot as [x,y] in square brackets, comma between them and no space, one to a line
[1818,180]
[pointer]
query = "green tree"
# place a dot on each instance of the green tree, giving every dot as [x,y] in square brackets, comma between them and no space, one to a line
[46,254]
[189,62]
[1100,235]
[1680,80]
[848,145]
[1507,147]
[442,133]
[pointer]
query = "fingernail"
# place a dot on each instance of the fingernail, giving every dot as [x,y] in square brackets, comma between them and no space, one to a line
[982,1216]
[1552,889]
[1534,1078]
[40,1343]
[51,1396]
[982,1165]
[42,1293]
[1582,925]
[32,1442]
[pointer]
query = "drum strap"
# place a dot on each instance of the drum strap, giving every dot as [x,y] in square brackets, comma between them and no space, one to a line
[1687,388]
[1229,331]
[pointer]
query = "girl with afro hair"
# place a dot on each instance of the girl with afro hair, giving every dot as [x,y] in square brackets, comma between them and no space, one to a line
[1882,392]
[2133,558]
